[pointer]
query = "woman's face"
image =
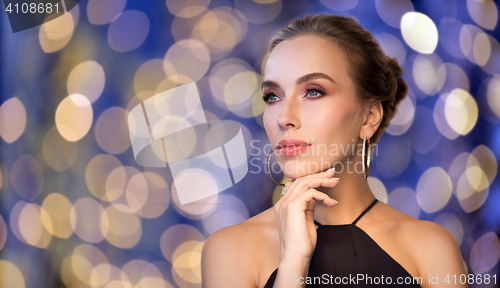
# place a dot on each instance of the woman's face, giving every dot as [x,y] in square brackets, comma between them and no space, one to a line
[311,98]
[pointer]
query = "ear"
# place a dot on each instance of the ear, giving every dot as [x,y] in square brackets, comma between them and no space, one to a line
[372,120]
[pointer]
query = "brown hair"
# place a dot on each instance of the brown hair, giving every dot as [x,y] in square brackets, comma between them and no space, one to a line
[375,75]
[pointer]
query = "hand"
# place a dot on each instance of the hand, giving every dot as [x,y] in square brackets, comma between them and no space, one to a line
[295,214]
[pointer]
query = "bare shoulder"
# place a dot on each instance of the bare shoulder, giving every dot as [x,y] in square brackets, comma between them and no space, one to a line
[432,248]
[229,257]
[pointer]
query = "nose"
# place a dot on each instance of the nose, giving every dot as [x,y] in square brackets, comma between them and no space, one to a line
[289,117]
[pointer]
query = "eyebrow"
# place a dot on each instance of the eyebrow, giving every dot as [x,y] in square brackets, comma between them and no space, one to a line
[300,80]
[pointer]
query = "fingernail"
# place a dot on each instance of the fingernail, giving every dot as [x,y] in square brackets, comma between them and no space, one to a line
[336,178]
[331,169]
[336,202]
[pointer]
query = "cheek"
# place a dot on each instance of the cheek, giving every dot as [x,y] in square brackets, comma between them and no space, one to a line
[334,120]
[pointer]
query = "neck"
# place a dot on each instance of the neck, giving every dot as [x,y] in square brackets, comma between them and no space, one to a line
[352,193]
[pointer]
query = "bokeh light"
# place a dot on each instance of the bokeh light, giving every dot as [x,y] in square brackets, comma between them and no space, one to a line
[11,276]
[419,32]
[12,119]
[59,153]
[128,31]
[433,189]
[74,117]
[87,79]
[76,208]
[27,177]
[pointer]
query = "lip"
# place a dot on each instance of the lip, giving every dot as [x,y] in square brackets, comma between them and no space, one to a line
[289,147]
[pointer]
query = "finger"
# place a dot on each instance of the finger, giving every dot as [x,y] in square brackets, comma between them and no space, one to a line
[326,173]
[302,184]
[313,194]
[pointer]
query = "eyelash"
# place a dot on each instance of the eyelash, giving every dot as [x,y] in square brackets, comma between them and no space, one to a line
[268,95]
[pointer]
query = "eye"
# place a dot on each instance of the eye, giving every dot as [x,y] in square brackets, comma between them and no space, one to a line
[270,97]
[314,93]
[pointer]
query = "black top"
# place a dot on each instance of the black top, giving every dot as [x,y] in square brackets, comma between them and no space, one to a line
[346,253]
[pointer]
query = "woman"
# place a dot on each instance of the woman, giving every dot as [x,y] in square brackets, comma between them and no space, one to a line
[327,82]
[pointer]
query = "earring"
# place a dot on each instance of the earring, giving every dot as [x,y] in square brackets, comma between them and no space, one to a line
[366,164]
[269,167]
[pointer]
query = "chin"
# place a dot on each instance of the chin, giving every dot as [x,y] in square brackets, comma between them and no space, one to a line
[295,168]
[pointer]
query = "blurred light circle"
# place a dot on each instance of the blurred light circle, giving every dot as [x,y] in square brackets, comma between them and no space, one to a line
[451,76]
[14,220]
[117,180]
[147,78]
[483,12]
[392,46]
[3,232]
[492,66]
[201,208]
[186,261]
[68,275]
[31,227]
[473,202]
[241,87]
[425,73]
[10,275]
[391,155]
[464,188]
[26,177]
[423,135]
[468,44]
[87,79]
[103,12]
[119,284]
[189,57]
[175,236]
[475,175]
[55,34]
[137,270]
[439,117]
[336,5]
[55,215]
[391,11]
[259,13]
[481,49]
[158,196]
[135,195]
[12,119]
[153,282]
[128,31]
[220,75]
[97,172]
[484,159]
[111,130]
[123,230]
[457,169]
[461,111]
[59,153]
[485,253]
[449,35]
[493,93]
[85,218]
[419,32]
[404,200]
[187,9]
[221,29]
[74,117]
[230,210]
[452,224]
[433,189]
[403,118]
[378,189]
[84,261]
